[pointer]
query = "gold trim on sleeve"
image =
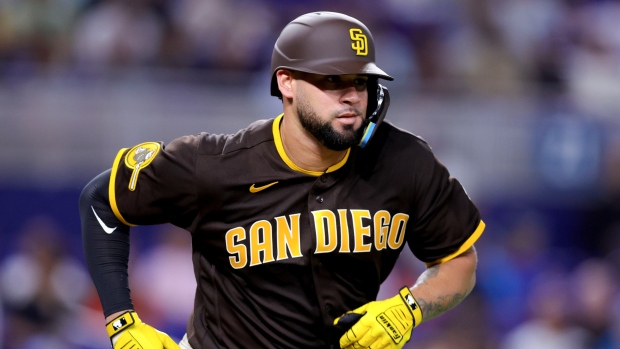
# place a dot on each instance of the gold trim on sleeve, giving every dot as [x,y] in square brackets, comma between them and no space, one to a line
[464,247]
[111,187]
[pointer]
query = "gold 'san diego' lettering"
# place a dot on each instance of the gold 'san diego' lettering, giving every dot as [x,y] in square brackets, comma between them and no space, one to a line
[348,231]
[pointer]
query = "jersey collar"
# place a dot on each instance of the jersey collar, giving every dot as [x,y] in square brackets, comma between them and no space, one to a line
[277,137]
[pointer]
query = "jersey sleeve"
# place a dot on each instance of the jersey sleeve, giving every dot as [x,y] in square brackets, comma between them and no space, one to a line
[152,183]
[447,221]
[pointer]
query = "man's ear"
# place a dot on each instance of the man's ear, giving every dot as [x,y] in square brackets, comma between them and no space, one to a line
[285,82]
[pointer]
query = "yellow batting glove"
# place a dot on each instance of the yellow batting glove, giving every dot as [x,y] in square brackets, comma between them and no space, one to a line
[384,324]
[127,331]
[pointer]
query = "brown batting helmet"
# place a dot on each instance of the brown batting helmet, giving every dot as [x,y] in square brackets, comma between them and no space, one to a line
[325,43]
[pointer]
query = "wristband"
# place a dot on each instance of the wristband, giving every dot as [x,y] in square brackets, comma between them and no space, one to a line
[414,307]
[122,322]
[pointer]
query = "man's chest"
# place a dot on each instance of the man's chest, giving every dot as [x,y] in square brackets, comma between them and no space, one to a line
[279,220]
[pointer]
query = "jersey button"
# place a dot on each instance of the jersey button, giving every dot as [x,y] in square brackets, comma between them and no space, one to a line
[319,199]
[323,178]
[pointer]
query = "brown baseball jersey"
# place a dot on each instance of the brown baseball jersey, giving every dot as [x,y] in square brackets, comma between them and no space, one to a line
[279,251]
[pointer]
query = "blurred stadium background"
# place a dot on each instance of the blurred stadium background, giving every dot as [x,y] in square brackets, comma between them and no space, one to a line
[520,99]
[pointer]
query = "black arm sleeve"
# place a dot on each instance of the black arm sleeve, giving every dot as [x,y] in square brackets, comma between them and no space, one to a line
[106,252]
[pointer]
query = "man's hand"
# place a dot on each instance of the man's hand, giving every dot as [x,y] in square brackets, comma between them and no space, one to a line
[128,331]
[384,324]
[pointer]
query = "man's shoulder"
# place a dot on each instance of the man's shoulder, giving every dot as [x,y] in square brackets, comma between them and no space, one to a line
[395,139]
[393,148]
[254,134]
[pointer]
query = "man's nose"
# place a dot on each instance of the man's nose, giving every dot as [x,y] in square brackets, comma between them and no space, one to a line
[351,96]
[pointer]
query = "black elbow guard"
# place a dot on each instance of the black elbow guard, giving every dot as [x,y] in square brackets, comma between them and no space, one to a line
[105,240]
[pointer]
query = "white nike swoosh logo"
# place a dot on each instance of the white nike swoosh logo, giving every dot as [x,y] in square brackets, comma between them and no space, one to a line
[107,229]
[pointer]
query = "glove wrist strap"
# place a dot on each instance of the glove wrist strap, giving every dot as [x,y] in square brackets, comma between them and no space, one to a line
[122,322]
[414,307]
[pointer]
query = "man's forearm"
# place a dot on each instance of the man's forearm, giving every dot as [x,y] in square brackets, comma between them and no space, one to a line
[105,241]
[443,286]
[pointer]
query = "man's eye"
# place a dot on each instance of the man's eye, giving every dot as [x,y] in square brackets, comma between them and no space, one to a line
[361,84]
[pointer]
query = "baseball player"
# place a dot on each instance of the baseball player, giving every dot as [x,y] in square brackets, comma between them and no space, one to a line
[297,220]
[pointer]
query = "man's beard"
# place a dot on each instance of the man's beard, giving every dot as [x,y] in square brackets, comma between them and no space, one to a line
[324,132]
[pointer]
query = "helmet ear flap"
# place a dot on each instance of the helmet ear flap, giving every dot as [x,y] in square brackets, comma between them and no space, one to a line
[376,112]
[275,91]
[371,86]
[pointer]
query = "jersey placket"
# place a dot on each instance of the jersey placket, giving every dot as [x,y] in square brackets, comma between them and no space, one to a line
[322,197]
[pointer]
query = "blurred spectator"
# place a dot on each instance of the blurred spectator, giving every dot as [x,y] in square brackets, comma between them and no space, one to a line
[601,228]
[592,66]
[549,325]
[42,286]
[426,25]
[1,321]
[595,291]
[615,334]
[531,31]
[509,262]
[118,33]
[488,67]
[164,280]
[230,35]
[34,34]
